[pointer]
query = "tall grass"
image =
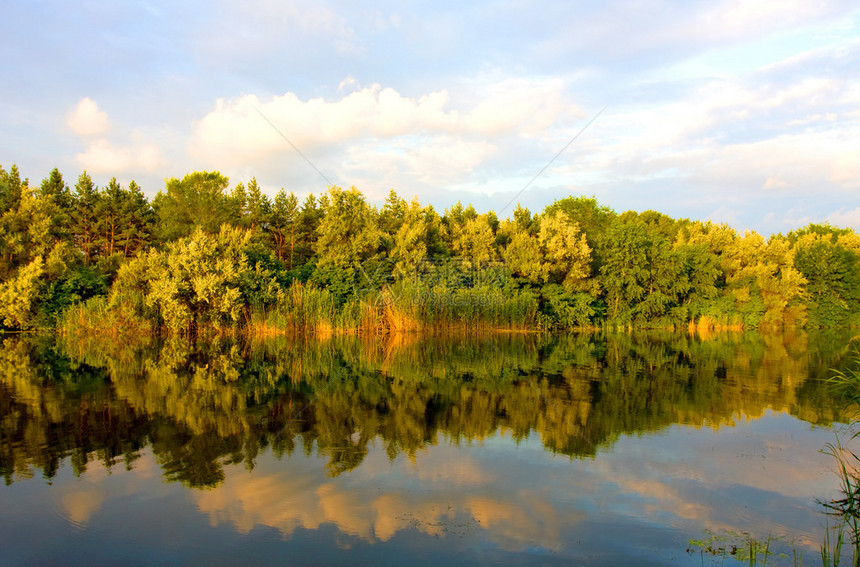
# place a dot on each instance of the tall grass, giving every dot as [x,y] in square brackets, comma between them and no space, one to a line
[96,317]
[307,309]
[300,309]
[831,549]
[846,509]
[406,306]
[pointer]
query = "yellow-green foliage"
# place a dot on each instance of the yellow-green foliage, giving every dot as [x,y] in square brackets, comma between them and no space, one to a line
[18,294]
[474,239]
[200,404]
[411,239]
[763,280]
[347,233]
[567,256]
[558,253]
[522,256]
[576,264]
[195,281]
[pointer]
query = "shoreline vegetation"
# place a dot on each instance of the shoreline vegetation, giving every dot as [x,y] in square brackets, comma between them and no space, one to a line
[203,258]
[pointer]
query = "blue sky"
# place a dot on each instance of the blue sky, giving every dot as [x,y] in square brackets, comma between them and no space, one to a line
[744,112]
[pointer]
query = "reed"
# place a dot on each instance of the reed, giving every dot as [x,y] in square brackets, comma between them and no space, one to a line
[307,309]
[831,550]
[845,383]
[96,317]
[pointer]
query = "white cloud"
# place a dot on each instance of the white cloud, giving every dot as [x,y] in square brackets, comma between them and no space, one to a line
[239,29]
[242,130]
[720,144]
[774,183]
[134,154]
[724,214]
[461,491]
[809,91]
[731,132]
[87,120]
[810,58]
[103,157]
[733,19]
[519,104]
[813,119]
[713,109]
[659,30]
[794,217]
[804,162]
[709,104]
[442,161]
[377,125]
[350,83]
[845,218]
[844,165]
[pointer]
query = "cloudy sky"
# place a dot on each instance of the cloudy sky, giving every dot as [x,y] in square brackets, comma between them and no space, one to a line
[744,112]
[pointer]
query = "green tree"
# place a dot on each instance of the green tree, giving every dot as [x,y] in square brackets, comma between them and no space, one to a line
[701,271]
[283,226]
[19,295]
[391,219]
[36,250]
[525,221]
[52,206]
[258,208]
[470,235]
[237,205]
[11,188]
[348,233]
[624,271]
[556,253]
[660,223]
[13,224]
[110,213]
[832,277]
[54,188]
[666,283]
[766,287]
[417,237]
[523,256]
[593,218]
[310,217]
[566,253]
[196,281]
[196,201]
[138,221]
[643,277]
[126,220]
[84,218]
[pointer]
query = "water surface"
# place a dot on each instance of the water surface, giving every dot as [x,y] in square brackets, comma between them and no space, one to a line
[510,449]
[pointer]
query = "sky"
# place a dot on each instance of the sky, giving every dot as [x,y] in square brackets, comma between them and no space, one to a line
[738,112]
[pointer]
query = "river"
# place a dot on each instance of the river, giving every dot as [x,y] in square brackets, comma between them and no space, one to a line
[501,449]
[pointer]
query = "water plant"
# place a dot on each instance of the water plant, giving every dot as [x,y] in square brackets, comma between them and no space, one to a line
[831,550]
[846,508]
[742,547]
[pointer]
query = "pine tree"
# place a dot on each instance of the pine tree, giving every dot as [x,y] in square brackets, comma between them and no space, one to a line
[84,220]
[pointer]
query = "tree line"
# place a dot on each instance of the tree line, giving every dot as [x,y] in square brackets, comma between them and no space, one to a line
[204,254]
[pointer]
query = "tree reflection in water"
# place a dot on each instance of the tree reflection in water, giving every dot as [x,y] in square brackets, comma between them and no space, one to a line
[204,404]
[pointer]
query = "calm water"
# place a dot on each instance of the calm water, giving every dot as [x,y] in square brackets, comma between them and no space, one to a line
[508,450]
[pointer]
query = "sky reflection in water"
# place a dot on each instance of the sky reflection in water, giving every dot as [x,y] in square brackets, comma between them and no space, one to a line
[470,484]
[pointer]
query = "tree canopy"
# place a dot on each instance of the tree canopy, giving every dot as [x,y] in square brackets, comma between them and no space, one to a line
[201,253]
